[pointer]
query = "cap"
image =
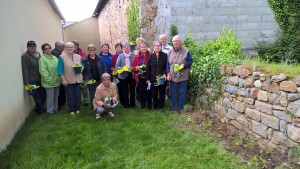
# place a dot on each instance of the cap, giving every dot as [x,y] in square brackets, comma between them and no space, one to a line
[31,43]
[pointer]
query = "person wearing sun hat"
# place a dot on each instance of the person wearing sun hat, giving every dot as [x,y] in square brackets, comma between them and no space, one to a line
[105,97]
[31,75]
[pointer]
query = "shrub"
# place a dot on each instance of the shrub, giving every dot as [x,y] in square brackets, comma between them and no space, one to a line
[208,57]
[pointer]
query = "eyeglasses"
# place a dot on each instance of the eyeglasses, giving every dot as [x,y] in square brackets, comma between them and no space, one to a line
[92,50]
[46,48]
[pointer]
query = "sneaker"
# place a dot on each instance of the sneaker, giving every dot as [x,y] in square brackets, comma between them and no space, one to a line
[77,111]
[98,116]
[72,113]
[111,114]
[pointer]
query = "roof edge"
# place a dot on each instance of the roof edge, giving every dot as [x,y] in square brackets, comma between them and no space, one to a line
[56,9]
[99,7]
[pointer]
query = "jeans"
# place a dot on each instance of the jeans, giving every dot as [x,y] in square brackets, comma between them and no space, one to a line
[39,97]
[174,88]
[73,96]
[52,99]
[85,94]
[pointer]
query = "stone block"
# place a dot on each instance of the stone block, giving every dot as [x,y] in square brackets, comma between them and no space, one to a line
[238,106]
[296,122]
[233,80]
[226,102]
[240,82]
[273,87]
[277,107]
[270,121]
[263,143]
[282,126]
[283,98]
[229,3]
[282,139]
[273,98]
[243,120]
[293,96]
[232,114]
[263,77]
[222,69]
[228,70]
[241,71]
[248,82]
[231,89]
[248,100]
[255,75]
[243,92]
[257,84]
[296,80]
[293,133]
[279,78]
[263,107]
[219,109]
[253,114]
[288,86]
[236,124]
[253,93]
[282,115]
[294,108]
[270,133]
[259,129]
[263,95]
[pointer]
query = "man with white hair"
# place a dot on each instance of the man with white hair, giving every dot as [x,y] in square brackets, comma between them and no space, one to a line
[178,69]
[165,46]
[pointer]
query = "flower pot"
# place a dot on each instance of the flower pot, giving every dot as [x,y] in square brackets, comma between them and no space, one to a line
[77,70]
[31,92]
[125,74]
[90,86]
[162,81]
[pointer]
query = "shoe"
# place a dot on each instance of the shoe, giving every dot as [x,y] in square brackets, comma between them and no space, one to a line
[98,116]
[72,113]
[77,111]
[181,111]
[111,114]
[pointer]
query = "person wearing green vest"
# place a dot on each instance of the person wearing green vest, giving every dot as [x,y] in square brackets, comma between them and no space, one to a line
[49,78]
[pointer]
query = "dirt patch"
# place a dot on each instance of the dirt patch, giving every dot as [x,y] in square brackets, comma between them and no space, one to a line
[237,141]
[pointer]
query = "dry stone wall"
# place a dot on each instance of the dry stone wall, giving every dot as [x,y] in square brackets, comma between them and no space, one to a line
[265,107]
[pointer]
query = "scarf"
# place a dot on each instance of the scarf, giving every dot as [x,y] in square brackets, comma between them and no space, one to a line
[127,60]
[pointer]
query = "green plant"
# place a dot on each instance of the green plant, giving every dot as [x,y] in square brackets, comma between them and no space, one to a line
[207,59]
[257,161]
[133,20]
[173,32]
[239,140]
[286,47]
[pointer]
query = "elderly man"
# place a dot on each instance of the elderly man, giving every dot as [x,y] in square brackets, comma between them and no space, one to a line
[178,68]
[57,51]
[31,75]
[165,46]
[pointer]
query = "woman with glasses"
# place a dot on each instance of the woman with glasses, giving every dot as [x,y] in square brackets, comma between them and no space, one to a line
[71,79]
[49,78]
[94,67]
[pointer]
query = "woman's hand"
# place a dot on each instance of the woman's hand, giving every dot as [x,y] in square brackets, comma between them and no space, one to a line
[169,77]
[64,82]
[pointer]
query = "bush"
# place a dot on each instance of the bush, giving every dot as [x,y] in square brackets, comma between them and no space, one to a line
[208,57]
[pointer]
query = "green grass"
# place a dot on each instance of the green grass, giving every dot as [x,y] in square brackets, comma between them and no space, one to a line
[273,68]
[135,138]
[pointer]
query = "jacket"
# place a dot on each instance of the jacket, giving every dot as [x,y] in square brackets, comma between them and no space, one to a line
[30,67]
[87,69]
[48,71]
[121,62]
[156,66]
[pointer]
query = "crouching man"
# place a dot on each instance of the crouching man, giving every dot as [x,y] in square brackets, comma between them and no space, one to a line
[105,97]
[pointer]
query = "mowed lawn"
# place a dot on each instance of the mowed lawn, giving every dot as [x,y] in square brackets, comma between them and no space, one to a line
[135,138]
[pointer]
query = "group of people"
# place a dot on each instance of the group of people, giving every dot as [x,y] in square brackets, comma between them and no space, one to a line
[104,80]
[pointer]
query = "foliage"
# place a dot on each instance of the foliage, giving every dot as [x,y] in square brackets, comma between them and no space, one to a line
[207,59]
[173,32]
[133,20]
[286,47]
[135,138]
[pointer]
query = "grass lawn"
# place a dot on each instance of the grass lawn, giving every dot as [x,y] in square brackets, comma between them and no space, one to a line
[135,138]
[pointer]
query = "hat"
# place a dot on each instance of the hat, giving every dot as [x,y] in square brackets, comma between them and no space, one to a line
[31,43]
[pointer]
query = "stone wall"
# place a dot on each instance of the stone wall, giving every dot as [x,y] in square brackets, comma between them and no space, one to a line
[265,107]
[206,18]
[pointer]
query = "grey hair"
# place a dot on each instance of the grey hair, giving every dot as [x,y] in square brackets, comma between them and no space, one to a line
[69,44]
[59,43]
[162,35]
[105,75]
[176,37]
[155,42]
[125,43]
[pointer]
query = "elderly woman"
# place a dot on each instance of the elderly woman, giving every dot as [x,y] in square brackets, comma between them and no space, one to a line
[106,57]
[105,97]
[70,79]
[94,67]
[119,51]
[139,65]
[49,78]
[182,57]
[157,67]
[128,82]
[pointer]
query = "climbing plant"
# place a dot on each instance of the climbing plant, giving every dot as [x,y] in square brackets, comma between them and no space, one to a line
[207,59]
[173,32]
[133,20]
[287,44]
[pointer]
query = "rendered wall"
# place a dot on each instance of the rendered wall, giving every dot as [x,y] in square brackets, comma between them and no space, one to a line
[113,23]
[86,32]
[206,18]
[21,21]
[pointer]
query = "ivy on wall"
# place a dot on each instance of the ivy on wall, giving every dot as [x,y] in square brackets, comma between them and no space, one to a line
[133,20]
